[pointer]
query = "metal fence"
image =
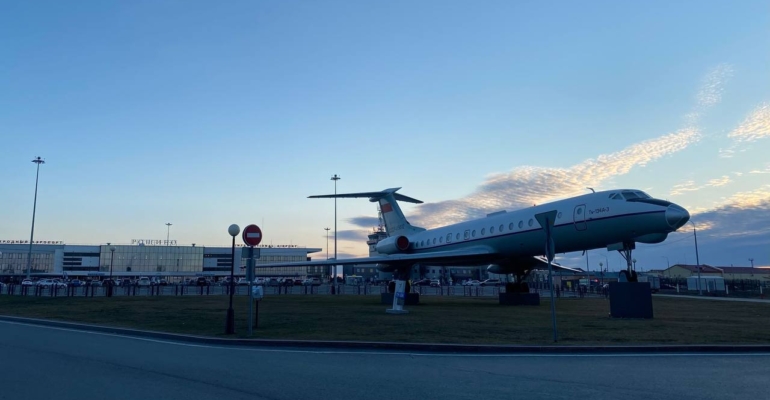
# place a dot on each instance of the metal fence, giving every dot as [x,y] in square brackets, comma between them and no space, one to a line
[326,289]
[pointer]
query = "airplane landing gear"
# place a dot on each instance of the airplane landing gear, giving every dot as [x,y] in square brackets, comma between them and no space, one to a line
[629,275]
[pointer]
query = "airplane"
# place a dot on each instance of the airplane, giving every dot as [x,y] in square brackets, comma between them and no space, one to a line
[514,242]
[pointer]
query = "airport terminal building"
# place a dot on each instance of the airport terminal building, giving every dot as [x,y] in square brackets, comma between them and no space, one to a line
[146,258]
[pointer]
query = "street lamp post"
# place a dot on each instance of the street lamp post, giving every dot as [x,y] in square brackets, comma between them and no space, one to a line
[601,265]
[335,178]
[751,260]
[634,261]
[109,283]
[668,263]
[327,242]
[37,161]
[168,232]
[233,230]
[697,258]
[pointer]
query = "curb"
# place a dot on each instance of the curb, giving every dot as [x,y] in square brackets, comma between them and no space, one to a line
[417,347]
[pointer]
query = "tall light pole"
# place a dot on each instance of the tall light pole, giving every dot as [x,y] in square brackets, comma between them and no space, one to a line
[233,230]
[327,242]
[168,232]
[109,283]
[668,263]
[751,260]
[606,269]
[335,178]
[37,161]
[601,265]
[697,258]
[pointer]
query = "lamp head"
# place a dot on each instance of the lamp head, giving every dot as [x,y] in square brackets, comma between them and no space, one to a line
[234,230]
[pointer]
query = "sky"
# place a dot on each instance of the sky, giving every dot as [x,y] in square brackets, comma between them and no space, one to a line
[203,114]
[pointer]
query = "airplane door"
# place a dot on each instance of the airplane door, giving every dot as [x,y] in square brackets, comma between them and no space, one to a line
[579,217]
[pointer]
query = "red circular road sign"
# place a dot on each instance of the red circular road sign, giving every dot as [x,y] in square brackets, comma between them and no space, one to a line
[252,235]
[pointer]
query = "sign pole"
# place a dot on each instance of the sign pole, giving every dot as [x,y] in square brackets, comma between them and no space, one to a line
[250,277]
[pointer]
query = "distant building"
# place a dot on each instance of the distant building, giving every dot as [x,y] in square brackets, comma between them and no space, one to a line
[143,259]
[681,271]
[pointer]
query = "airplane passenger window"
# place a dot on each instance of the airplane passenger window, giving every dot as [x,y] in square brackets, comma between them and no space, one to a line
[458,236]
[531,222]
[510,226]
[473,233]
[483,231]
[449,237]
[521,224]
[434,240]
[492,230]
[579,211]
[501,228]
[441,239]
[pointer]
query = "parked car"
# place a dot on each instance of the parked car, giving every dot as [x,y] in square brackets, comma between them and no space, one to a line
[243,282]
[491,282]
[298,282]
[422,282]
[96,283]
[472,282]
[163,282]
[435,283]
[76,282]
[201,281]
[28,282]
[143,281]
[51,283]
[312,282]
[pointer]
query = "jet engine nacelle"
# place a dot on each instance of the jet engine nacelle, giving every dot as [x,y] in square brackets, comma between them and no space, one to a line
[652,238]
[392,245]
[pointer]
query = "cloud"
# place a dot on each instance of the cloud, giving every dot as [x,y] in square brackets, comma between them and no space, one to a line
[712,85]
[357,236]
[756,126]
[529,185]
[744,213]
[364,222]
[689,186]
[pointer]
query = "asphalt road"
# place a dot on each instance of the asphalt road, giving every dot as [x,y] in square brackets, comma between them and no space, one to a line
[51,363]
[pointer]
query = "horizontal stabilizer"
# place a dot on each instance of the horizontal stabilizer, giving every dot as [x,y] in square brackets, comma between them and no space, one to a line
[373,196]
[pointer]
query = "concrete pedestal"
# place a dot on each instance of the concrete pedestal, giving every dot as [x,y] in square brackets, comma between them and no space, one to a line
[519,299]
[412,299]
[630,300]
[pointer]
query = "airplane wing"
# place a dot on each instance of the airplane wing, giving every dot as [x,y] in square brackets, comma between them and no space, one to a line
[451,255]
[554,265]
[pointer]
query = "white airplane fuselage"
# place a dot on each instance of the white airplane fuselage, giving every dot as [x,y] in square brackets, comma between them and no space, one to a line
[585,222]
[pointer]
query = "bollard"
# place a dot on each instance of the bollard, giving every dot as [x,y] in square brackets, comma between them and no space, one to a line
[201,290]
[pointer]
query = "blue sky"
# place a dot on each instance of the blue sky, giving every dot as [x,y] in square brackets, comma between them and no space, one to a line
[204,114]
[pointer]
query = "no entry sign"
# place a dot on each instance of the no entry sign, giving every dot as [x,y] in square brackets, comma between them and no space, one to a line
[252,235]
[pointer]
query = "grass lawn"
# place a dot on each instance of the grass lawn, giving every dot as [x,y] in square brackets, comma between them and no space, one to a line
[437,319]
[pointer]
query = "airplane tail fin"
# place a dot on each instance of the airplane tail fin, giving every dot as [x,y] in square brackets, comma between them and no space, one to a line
[395,221]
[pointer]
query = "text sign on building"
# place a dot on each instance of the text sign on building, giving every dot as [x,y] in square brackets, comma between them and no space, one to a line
[33,242]
[252,235]
[153,242]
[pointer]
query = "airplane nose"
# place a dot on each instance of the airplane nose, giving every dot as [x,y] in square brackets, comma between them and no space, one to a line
[676,216]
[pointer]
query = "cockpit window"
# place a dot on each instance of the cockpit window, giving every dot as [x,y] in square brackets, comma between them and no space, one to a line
[616,196]
[630,195]
[642,195]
